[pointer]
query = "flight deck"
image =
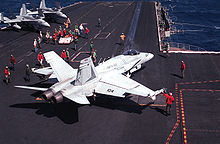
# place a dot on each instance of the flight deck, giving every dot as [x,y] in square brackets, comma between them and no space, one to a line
[194,115]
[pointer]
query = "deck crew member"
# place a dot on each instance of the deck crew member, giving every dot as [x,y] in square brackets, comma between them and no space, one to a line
[169,101]
[47,37]
[67,55]
[68,21]
[60,33]
[27,73]
[167,48]
[41,35]
[76,26]
[122,36]
[81,29]
[64,32]
[38,42]
[54,39]
[40,59]
[67,25]
[75,40]
[91,46]
[12,62]
[7,75]
[35,45]
[86,32]
[99,22]
[63,55]
[94,56]
[182,68]
[76,31]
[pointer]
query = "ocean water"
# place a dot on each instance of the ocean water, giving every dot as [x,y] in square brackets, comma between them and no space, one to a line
[199,20]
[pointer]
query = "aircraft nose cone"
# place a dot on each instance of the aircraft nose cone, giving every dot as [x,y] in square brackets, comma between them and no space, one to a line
[46,24]
[64,16]
[150,56]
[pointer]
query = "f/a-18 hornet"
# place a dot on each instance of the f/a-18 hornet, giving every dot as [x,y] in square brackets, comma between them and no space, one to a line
[48,12]
[107,78]
[24,20]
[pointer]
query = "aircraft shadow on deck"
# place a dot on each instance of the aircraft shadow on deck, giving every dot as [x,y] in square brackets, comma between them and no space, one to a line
[66,111]
[115,103]
[160,110]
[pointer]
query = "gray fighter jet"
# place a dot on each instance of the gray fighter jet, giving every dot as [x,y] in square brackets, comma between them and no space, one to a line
[48,12]
[24,20]
[106,78]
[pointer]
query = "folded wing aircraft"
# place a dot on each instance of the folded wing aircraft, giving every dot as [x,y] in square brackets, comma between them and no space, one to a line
[24,20]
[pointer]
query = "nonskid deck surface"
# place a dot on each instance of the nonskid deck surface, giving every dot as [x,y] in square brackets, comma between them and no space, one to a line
[112,120]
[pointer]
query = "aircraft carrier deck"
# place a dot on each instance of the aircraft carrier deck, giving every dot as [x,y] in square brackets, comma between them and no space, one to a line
[195,114]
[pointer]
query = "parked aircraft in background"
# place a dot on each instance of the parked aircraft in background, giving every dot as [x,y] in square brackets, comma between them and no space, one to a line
[106,78]
[48,12]
[24,20]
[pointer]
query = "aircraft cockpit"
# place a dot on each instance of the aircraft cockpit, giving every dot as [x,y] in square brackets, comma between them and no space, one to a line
[131,52]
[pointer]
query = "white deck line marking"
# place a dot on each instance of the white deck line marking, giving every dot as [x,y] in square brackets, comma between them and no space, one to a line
[29,54]
[20,61]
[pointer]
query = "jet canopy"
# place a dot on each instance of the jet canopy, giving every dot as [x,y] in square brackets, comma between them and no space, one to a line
[131,52]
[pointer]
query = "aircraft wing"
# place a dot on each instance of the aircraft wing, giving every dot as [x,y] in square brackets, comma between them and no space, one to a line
[43,71]
[118,85]
[62,70]
[10,21]
[32,88]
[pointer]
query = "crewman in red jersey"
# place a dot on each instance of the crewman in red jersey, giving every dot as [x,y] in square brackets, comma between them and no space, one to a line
[63,55]
[12,62]
[40,59]
[55,32]
[183,67]
[7,75]
[60,33]
[169,101]
[64,32]
[86,32]
[54,38]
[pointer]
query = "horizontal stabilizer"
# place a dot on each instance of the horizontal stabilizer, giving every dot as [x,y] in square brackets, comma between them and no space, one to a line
[32,88]
[80,99]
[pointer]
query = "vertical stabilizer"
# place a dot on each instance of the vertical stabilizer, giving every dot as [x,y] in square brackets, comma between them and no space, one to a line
[42,4]
[23,10]
[1,17]
[62,70]
[86,71]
